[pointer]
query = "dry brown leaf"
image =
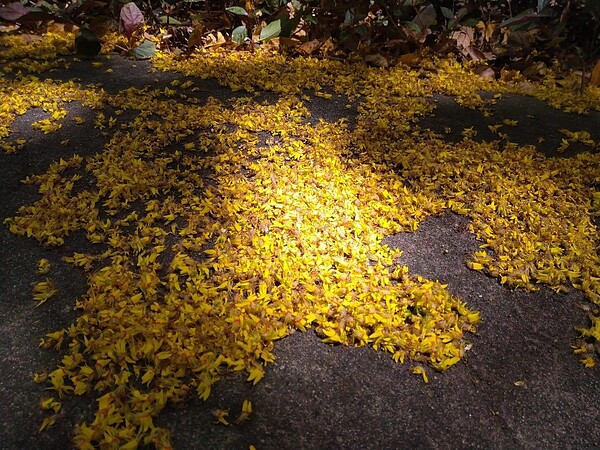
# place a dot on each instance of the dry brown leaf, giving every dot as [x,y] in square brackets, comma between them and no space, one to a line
[485,72]
[474,53]
[308,48]
[463,37]
[10,27]
[55,27]
[526,87]
[196,36]
[287,44]
[215,39]
[410,59]
[30,37]
[377,61]
[535,70]
[272,44]
[445,45]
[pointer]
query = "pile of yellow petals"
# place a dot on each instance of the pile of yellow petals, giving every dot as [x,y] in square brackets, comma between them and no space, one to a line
[285,236]
[39,53]
[223,228]
[34,53]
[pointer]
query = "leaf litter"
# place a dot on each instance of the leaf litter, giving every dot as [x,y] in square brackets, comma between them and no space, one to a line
[214,241]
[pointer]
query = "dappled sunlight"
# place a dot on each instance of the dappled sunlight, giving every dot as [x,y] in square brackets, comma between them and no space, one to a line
[285,238]
[221,229]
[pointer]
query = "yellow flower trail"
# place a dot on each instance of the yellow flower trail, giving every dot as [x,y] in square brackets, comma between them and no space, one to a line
[223,228]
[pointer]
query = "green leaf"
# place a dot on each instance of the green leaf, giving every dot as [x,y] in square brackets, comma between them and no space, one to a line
[412,26]
[448,14]
[349,17]
[145,50]
[462,13]
[271,31]
[238,10]
[168,20]
[45,6]
[239,34]
[523,16]
[288,25]
[471,22]
[541,4]
[361,30]
[425,17]
[310,18]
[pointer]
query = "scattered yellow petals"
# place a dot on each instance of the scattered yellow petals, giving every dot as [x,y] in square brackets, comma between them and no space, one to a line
[220,229]
[44,290]
[220,416]
[48,422]
[418,370]
[246,412]
[43,266]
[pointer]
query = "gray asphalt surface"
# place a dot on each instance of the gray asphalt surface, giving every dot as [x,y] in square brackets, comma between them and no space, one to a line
[520,385]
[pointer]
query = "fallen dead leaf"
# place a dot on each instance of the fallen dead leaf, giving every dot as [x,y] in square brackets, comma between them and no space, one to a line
[485,72]
[410,59]
[377,61]
[308,48]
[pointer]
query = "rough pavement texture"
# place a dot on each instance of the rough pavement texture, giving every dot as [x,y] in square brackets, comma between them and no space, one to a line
[520,385]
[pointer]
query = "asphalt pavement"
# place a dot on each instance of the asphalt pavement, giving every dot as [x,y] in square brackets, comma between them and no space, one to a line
[520,385]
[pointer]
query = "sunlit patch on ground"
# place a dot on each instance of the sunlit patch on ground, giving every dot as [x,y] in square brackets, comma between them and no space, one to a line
[223,229]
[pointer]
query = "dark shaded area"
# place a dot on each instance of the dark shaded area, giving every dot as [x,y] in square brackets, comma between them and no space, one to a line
[537,124]
[523,34]
[520,385]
